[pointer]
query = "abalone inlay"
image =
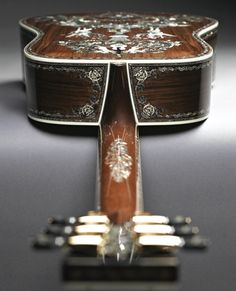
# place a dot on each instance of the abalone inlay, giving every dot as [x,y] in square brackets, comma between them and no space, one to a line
[118,160]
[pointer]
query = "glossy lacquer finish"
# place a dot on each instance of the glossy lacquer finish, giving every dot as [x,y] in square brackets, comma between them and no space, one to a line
[119,150]
[118,36]
[118,71]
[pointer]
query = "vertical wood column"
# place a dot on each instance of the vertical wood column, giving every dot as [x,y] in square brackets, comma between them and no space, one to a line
[119,152]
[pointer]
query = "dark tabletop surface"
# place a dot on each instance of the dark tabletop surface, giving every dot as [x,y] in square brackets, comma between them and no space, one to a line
[49,170]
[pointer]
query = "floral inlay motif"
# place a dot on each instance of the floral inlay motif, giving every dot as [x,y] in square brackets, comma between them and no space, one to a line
[87,112]
[144,109]
[118,160]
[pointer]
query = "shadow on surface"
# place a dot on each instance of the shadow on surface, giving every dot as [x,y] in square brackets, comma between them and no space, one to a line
[12,96]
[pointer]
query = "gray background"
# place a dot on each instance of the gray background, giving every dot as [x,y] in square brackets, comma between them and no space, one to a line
[49,170]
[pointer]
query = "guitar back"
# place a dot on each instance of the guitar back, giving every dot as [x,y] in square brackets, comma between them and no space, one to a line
[169,62]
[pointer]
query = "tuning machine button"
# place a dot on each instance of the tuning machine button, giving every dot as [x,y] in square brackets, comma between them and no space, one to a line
[44,241]
[186,230]
[196,242]
[60,220]
[59,230]
[180,220]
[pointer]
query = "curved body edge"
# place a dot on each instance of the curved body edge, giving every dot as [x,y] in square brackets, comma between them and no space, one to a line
[202,35]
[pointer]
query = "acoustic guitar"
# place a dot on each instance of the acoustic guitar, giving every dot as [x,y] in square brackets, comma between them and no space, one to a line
[119,71]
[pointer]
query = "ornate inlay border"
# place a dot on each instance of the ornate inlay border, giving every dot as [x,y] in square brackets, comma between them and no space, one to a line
[146,111]
[91,110]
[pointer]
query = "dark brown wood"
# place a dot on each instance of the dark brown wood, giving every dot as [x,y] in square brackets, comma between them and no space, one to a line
[171,92]
[65,93]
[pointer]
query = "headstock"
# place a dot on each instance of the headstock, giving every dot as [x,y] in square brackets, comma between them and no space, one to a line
[143,233]
[141,249]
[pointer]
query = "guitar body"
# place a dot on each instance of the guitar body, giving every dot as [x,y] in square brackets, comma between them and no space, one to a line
[169,60]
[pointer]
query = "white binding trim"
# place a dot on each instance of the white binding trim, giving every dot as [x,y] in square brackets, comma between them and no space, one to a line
[105,93]
[131,95]
[150,123]
[139,187]
[44,120]
[92,123]
[178,122]
[197,35]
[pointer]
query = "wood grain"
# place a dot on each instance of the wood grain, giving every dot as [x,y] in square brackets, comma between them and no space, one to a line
[51,34]
[118,199]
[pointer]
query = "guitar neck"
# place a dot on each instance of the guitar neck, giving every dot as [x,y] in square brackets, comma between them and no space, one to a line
[120,179]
